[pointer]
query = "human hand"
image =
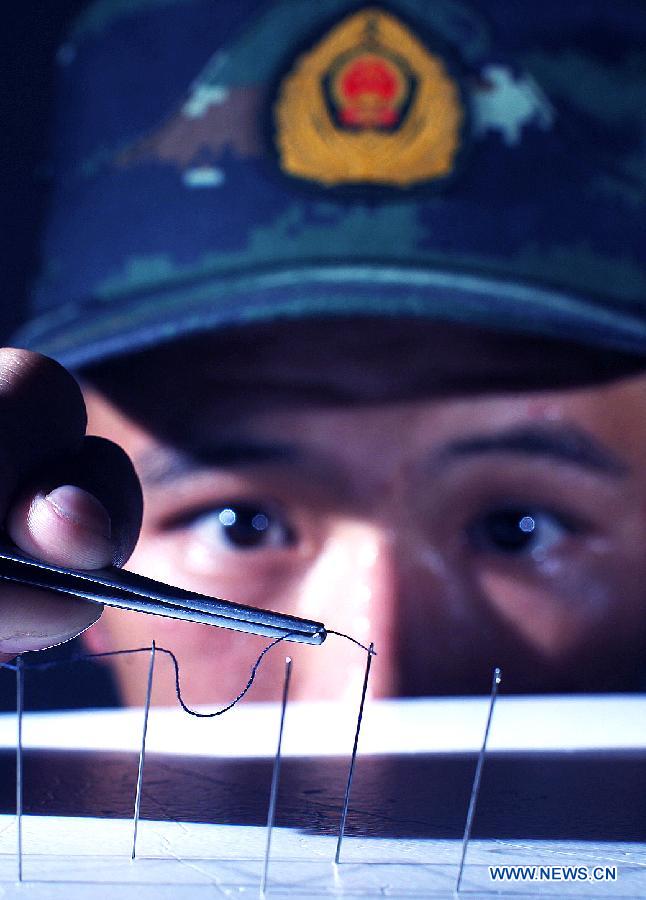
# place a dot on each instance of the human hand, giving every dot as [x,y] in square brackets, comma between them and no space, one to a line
[65,498]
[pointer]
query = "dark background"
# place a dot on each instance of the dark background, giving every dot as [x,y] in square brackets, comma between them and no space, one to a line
[528,796]
[29,38]
[31,32]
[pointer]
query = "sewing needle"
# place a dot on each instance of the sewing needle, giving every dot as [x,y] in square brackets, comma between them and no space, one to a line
[346,799]
[20,691]
[475,790]
[142,752]
[275,776]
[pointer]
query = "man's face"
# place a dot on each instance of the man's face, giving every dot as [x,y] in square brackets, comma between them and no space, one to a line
[405,483]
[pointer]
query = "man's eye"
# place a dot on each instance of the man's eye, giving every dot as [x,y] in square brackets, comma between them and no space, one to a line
[243,526]
[518,531]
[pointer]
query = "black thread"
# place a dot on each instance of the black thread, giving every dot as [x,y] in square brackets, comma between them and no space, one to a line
[369,649]
[86,657]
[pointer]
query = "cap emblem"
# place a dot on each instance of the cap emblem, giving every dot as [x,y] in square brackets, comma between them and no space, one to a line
[368,104]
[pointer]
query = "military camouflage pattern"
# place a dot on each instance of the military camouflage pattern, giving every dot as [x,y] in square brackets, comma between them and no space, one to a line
[171,213]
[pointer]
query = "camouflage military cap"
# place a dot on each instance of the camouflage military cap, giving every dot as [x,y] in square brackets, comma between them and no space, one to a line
[223,163]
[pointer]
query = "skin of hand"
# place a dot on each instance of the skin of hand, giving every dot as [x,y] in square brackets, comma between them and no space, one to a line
[65,498]
[374,476]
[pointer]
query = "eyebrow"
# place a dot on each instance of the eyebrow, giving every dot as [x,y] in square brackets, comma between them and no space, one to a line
[569,445]
[166,464]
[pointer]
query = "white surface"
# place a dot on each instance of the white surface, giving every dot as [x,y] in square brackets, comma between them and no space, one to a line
[324,729]
[191,862]
[70,858]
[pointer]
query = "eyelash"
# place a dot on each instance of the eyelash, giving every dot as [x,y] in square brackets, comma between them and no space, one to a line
[189,517]
[483,533]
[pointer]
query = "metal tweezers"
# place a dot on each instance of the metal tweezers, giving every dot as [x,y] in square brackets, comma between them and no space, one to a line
[125,590]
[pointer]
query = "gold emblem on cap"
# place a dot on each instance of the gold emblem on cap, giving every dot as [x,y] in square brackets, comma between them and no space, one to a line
[368,104]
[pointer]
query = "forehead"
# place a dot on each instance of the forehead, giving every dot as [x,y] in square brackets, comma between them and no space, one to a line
[351,385]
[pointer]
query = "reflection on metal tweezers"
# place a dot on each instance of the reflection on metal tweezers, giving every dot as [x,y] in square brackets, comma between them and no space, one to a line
[125,590]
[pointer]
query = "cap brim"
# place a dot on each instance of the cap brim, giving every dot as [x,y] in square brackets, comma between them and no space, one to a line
[120,324]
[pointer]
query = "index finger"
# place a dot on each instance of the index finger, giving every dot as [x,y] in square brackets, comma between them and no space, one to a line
[42,417]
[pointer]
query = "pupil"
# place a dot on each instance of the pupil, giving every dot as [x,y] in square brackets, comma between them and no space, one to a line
[244,526]
[510,529]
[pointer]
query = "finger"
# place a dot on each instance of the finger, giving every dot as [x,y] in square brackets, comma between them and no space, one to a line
[32,619]
[84,511]
[43,420]
[42,416]
[105,470]
[66,526]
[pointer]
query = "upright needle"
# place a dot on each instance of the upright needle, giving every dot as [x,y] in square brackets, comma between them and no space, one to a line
[20,692]
[346,799]
[142,752]
[475,790]
[271,815]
